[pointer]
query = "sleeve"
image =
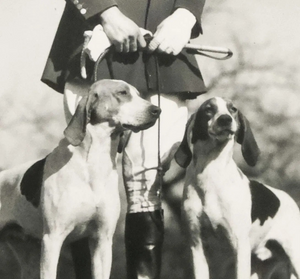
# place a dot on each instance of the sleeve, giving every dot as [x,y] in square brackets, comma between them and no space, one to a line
[89,9]
[196,8]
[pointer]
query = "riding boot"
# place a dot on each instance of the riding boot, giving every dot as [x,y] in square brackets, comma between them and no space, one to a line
[81,259]
[144,232]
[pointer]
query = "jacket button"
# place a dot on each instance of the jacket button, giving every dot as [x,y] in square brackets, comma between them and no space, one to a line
[75,2]
[83,11]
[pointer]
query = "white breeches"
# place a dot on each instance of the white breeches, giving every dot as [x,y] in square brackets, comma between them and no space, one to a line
[140,154]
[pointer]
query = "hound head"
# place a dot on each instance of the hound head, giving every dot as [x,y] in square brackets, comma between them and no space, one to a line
[220,121]
[115,102]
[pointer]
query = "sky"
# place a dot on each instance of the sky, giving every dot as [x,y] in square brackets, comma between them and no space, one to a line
[26,33]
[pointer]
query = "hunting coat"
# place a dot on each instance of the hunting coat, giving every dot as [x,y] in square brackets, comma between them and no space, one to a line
[147,72]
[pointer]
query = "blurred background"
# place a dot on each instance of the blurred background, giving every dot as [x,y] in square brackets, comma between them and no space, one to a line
[262,78]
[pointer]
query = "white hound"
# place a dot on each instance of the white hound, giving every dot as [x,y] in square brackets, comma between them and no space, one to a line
[79,193]
[219,199]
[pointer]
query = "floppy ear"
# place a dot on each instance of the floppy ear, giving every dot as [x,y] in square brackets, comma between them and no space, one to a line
[200,129]
[183,155]
[246,138]
[76,129]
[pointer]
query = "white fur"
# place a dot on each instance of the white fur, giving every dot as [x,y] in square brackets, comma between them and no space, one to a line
[80,185]
[215,187]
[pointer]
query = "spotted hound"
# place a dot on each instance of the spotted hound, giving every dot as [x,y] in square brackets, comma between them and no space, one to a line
[79,194]
[218,199]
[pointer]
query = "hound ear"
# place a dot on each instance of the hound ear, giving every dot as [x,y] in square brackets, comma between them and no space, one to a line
[200,129]
[246,138]
[76,129]
[183,155]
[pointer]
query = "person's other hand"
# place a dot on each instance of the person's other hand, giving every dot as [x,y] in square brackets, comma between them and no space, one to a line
[122,32]
[173,33]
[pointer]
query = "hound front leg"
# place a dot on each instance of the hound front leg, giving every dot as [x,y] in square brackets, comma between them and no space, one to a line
[243,268]
[192,210]
[101,253]
[51,246]
[200,265]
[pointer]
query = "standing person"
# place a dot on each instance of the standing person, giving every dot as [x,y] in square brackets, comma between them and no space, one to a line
[163,72]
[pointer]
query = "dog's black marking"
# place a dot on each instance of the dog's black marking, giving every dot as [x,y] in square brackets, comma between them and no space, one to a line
[203,115]
[265,203]
[218,249]
[277,267]
[245,137]
[31,183]
[183,155]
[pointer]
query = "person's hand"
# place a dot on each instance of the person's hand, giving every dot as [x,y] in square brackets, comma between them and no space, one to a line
[122,32]
[173,33]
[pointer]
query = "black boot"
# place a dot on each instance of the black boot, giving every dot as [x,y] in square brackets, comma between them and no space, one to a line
[144,233]
[81,259]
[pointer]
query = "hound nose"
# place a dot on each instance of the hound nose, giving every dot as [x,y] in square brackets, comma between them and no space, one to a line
[224,120]
[155,111]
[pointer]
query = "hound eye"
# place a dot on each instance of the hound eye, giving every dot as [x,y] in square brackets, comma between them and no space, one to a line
[124,92]
[208,110]
[233,109]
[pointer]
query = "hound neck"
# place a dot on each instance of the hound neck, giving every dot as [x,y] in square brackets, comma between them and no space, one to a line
[103,131]
[100,144]
[100,148]
[212,154]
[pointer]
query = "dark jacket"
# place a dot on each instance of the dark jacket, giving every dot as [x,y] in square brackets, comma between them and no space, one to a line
[165,73]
